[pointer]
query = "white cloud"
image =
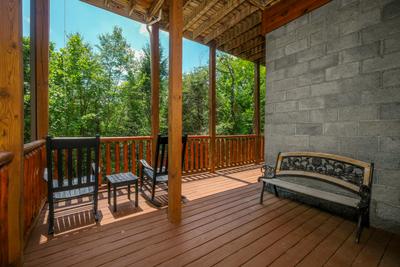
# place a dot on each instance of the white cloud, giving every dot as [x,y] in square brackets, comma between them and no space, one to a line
[143,30]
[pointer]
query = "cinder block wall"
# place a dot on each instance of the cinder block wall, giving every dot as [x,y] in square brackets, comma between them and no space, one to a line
[333,85]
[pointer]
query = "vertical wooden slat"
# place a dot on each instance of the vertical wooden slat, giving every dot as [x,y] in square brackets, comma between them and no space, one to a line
[108,159]
[117,157]
[133,157]
[192,155]
[187,156]
[100,166]
[126,160]
[175,111]
[140,155]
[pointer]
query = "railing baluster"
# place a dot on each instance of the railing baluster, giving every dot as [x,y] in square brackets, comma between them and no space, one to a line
[133,158]
[126,162]
[108,159]
[117,156]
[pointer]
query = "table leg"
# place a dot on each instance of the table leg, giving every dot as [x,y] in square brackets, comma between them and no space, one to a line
[136,194]
[109,192]
[129,191]
[115,198]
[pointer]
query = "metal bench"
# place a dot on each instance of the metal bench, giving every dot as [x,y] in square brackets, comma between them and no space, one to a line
[352,175]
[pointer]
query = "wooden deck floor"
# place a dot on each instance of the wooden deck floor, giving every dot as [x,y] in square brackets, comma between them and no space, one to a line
[223,225]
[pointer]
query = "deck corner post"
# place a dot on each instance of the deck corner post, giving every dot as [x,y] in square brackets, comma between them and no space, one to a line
[212,117]
[155,85]
[257,122]
[175,111]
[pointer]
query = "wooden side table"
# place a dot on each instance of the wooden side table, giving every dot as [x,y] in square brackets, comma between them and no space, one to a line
[122,179]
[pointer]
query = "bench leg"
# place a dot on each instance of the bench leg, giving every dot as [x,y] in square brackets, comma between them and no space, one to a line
[95,204]
[276,191]
[153,191]
[51,215]
[109,192]
[129,191]
[262,193]
[115,198]
[359,226]
[136,194]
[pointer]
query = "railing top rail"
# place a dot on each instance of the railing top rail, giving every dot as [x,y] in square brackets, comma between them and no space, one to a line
[236,136]
[199,136]
[124,138]
[5,158]
[29,147]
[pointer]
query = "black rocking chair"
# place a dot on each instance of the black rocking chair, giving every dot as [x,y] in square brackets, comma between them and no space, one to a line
[81,174]
[151,176]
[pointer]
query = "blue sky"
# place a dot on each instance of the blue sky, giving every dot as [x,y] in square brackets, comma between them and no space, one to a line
[91,21]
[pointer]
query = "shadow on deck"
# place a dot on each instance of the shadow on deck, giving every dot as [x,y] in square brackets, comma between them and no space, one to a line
[223,224]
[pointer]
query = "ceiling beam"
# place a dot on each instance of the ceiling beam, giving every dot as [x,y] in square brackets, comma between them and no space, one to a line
[254,32]
[244,48]
[132,7]
[258,3]
[225,10]
[154,8]
[197,13]
[285,11]
[236,19]
[257,56]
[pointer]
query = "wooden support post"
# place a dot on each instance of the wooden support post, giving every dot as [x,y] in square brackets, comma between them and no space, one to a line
[212,100]
[257,122]
[39,69]
[155,86]
[175,111]
[12,117]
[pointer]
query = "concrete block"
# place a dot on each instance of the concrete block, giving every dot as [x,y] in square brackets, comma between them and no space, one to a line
[360,53]
[325,88]
[385,95]
[324,115]
[387,194]
[317,38]
[306,30]
[269,108]
[326,144]
[343,99]
[286,106]
[357,113]
[390,111]
[323,11]
[344,3]
[285,84]
[286,39]
[273,97]
[387,177]
[289,117]
[344,42]
[388,212]
[391,10]
[275,75]
[342,71]
[311,77]
[388,61]
[311,53]
[392,44]
[301,21]
[358,144]
[285,61]
[283,129]
[384,160]
[324,62]
[296,46]
[390,144]
[361,21]
[297,69]
[380,128]
[380,31]
[279,32]
[298,93]
[312,103]
[391,77]
[361,82]
[309,129]
[274,54]
[340,128]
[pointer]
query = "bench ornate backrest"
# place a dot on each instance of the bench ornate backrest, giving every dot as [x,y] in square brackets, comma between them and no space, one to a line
[345,172]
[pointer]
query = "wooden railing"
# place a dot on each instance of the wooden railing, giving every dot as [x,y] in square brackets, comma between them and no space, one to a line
[35,187]
[5,160]
[122,154]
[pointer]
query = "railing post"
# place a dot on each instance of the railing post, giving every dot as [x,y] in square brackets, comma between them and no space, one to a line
[212,117]
[257,122]
[11,112]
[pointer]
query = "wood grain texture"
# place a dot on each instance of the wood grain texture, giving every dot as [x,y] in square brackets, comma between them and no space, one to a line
[285,11]
[39,68]
[175,111]
[5,160]
[155,84]
[257,120]
[212,103]
[11,117]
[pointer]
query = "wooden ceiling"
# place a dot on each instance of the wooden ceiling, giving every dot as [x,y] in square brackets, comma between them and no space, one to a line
[234,25]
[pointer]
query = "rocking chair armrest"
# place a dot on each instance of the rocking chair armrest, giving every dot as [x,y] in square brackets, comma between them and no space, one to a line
[145,164]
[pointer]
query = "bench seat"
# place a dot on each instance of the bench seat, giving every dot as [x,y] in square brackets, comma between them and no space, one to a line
[337,198]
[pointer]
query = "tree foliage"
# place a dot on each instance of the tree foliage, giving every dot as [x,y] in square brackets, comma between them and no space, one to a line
[106,89]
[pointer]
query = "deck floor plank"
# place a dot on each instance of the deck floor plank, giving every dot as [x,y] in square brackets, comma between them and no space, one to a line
[223,224]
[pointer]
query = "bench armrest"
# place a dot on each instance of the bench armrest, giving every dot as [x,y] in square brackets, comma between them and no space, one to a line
[365,195]
[145,164]
[268,172]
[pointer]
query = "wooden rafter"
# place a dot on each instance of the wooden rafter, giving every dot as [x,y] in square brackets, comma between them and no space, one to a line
[257,56]
[225,10]
[258,3]
[198,12]
[155,8]
[244,48]
[241,28]
[247,11]
[132,7]
[254,32]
